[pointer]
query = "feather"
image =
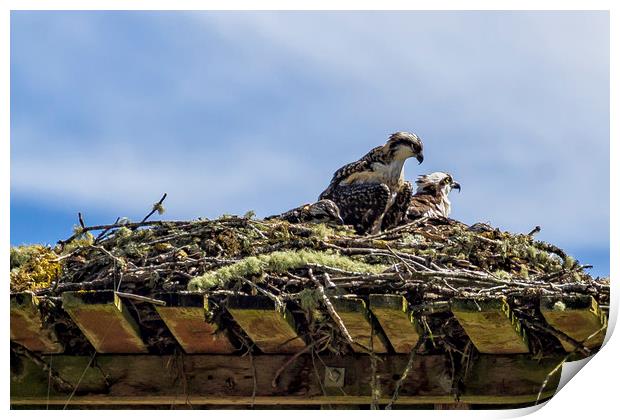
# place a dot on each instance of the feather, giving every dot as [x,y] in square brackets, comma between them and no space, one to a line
[366,190]
[362,165]
[431,197]
[323,211]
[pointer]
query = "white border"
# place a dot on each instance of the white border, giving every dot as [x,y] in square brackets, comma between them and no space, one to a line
[591,395]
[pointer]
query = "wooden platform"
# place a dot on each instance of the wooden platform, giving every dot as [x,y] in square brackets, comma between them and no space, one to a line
[491,325]
[356,318]
[103,319]
[185,317]
[579,317]
[399,325]
[271,329]
[27,326]
[502,371]
[224,380]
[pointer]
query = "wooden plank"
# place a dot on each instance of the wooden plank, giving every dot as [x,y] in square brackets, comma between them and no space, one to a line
[514,374]
[272,331]
[579,317]
[175,401]
[27,325]
[184,315]
[394,316]
[453,406]
[226,379]
[356,319]
[491,325]
[104,320]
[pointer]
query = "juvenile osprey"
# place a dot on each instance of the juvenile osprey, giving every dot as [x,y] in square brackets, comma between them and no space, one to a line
[431,197]
[323,211]
[373,187]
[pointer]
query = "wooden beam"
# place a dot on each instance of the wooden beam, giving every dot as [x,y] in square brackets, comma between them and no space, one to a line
[194,400]
[356,319]
[184,315]
[453,406]
[104,320]
[272,330]
[579,317]
[394,316]
[27,326]
[511,374]
[226,379]
[491,325]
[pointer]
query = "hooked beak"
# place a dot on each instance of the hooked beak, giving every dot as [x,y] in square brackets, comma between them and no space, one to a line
[420,158]
[456,186]
[339,221]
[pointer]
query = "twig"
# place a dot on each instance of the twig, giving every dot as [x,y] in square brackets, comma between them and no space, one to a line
[579,347]
[157,207]
[375,393]
[559,366]
[405,373]
[103,232]
[331,310]
[318,376]
[274,381]
[132,225]
[276,299]
[141,298]
[398,229]
[534,231]
[401,259]
[61,383]
[254,379]
[81,220]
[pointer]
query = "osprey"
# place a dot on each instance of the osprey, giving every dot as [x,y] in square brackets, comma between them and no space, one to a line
[323,211]
[373,188]
[431,197]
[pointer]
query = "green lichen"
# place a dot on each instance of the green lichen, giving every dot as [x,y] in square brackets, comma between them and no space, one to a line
[33,267]
[569,263]
[82,240]
[309,299]
[277,263]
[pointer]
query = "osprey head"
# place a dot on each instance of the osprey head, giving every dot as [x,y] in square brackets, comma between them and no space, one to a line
[324,211]
[437,182]
[403,145]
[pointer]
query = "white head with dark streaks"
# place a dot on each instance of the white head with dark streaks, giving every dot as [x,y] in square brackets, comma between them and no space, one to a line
[403,145]
[438,185]
[437,182]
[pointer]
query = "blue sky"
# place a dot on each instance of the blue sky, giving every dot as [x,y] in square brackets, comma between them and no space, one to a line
[231,111]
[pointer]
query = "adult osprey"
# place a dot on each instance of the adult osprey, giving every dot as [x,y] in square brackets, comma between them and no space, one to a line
[431,197]
[323,211]
[373,188]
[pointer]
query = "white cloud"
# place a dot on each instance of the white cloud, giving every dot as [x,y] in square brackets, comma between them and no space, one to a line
[126,179]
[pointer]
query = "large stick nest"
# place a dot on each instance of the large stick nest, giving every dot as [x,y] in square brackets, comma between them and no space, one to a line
[299,265]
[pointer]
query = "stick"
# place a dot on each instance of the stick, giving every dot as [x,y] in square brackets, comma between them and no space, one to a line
[62,384]
[132,226]
[331,310]
[274,381]
[106,230]
[555,369]
[81,220]
[156,207]
[405,373]
[534,231]
[141,298]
